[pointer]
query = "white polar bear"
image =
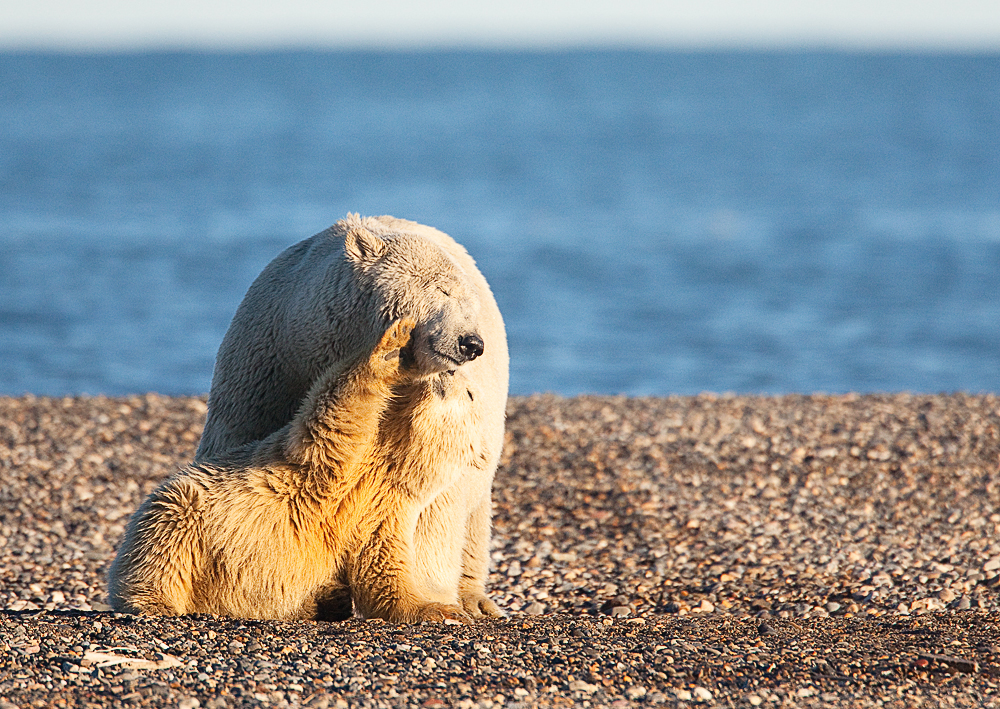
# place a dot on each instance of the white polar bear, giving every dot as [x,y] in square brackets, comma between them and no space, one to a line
[403,509]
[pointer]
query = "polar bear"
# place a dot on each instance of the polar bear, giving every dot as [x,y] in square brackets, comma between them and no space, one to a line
[355,423]
[327,300]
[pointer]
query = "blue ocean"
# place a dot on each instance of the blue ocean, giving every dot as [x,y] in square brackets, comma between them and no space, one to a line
[652,222]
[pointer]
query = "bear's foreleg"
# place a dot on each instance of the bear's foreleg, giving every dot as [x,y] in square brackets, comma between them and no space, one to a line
[338,421]
[476,562]
[382,585]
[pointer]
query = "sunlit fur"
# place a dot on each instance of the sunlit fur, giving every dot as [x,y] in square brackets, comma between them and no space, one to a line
[325,507]
[369,485]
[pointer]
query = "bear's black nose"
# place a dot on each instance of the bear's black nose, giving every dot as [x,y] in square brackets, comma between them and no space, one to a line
[470,346]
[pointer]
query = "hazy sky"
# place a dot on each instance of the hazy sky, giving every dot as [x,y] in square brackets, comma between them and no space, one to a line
[118,24]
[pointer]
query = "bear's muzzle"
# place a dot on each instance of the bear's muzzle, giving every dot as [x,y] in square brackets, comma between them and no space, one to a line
[470,346]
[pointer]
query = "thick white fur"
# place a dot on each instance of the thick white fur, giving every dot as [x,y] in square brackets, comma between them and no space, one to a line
[412,510]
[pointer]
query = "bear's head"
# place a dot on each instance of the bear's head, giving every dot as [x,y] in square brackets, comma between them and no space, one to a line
[412,277]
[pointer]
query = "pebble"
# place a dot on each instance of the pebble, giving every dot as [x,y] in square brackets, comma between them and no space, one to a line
[702,694]
[835,518]
[636,692]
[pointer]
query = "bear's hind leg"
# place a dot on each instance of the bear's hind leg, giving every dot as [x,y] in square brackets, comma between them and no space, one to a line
[154,570]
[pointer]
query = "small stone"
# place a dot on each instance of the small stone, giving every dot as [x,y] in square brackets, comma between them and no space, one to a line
[765,629]
[992,564]
[702,694]
[621,612]
[832,607]
[581,686]
[947,595]
[188,703]
[636,691]
[535,608]
[684,695]
[706,606]
[754,700]
[964,603]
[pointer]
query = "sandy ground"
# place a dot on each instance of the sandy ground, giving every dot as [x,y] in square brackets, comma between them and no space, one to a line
[736,551]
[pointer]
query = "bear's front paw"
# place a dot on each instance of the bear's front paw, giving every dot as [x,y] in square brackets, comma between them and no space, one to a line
[440,612]
[478,605]
[391,351]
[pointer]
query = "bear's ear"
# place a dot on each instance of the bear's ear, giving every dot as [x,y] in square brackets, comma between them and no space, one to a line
[362,246]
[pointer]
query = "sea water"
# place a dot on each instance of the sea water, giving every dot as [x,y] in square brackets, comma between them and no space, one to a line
[651,222]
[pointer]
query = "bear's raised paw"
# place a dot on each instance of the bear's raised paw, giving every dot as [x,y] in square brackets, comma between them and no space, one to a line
[394,343]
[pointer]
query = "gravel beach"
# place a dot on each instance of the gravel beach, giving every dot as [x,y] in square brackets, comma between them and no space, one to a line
[712,550]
